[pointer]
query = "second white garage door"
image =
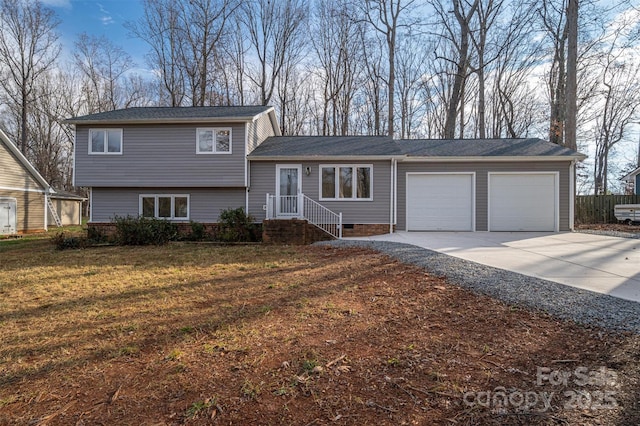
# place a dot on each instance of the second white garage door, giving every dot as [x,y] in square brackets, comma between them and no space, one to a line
[440,202]
[523,202]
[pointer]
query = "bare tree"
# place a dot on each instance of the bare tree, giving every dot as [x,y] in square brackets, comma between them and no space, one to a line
[160,29]
[384,16]
[617,104]
[28,49]
[275,30]
[457,32]
[338,50]
[104,66]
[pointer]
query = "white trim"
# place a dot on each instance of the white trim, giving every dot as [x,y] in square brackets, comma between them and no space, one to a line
[572,194]
[91,204]
[556,177]
[391,205]
[46,212]
[214,132]
[246,160]
[15,205]
[489,159]
[473,194]
[10,188]
[353,166]
[73,171]
[106,142]
[405,159]
[277,192]
[156,207]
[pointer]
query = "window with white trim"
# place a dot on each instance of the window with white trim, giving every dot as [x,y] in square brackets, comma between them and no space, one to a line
[213,140]
[346,182]
[105,141]
[165,206]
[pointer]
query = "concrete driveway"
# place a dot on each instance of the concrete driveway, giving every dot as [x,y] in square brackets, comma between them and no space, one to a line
[603,264]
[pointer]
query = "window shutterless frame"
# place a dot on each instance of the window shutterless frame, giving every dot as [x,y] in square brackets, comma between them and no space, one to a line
[213,140]
[105,142]
[158,205]
[345,182]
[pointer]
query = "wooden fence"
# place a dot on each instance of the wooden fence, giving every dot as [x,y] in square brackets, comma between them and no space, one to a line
[599,208]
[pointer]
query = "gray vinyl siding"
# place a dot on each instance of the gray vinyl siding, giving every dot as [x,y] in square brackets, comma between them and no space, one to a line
[377,211]
[481,170]
[258,131]
[205,204]
[161,155]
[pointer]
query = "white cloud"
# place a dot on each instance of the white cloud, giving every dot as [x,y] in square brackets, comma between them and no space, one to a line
[106,17]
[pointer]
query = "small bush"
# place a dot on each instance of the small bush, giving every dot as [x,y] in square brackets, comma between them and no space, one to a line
[65,241]
[237,226]
[140,231]
[198,232]
[96,236]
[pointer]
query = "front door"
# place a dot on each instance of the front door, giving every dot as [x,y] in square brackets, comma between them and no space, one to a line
[7,216]
[287,189]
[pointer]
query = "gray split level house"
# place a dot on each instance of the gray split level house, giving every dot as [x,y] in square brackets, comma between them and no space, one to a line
[189,163]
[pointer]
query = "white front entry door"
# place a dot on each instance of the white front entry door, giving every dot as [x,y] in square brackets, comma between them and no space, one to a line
[288,186]
[7,216]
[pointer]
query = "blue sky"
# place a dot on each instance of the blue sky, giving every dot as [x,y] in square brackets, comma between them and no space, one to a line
[99,17]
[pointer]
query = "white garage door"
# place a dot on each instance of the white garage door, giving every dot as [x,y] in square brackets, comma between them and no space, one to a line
[440,202]
[523,202]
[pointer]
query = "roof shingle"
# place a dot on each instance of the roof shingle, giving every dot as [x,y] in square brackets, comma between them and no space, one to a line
[143,114]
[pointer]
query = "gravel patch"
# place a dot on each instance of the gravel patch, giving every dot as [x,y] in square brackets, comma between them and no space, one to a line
[619,234]
[562,301]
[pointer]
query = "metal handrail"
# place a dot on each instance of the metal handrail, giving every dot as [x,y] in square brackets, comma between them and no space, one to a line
[302,207]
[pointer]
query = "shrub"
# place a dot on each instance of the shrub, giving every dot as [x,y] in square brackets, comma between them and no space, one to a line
[64,241]
[96,236]
[139,231]
[237,226]
[198,232]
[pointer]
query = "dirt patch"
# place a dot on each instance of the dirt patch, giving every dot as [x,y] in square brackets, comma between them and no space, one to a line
[615,227]
[188,334]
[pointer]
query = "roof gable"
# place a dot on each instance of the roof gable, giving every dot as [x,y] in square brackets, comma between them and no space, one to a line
[22,161]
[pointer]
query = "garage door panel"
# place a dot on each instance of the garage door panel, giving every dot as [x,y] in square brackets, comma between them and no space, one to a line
[440,202]
[522,202]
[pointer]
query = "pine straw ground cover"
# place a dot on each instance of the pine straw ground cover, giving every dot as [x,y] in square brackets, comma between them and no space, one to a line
[201,334]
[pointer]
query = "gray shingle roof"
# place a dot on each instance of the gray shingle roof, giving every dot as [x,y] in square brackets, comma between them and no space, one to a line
[483,148]
[326,146]
[141,114]
[330,146]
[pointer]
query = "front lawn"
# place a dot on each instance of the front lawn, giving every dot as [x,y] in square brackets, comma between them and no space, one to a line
[272,335]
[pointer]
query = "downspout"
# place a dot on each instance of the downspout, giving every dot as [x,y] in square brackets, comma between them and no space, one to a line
[46,209]
[392,195]
[90,204]
[572,193]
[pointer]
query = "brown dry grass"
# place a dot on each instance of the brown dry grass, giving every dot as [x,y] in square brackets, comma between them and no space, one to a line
[203,334]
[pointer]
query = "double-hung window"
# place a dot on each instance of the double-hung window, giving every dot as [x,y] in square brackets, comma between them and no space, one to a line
[213,140]
[165,206]
[346,182]
[105,141]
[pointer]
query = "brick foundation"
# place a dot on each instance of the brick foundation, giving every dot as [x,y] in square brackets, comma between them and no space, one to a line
[291,231]
[366,230]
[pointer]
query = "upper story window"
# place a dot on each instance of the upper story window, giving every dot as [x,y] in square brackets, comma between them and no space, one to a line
[346,182]
[213,141]
[105,141]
